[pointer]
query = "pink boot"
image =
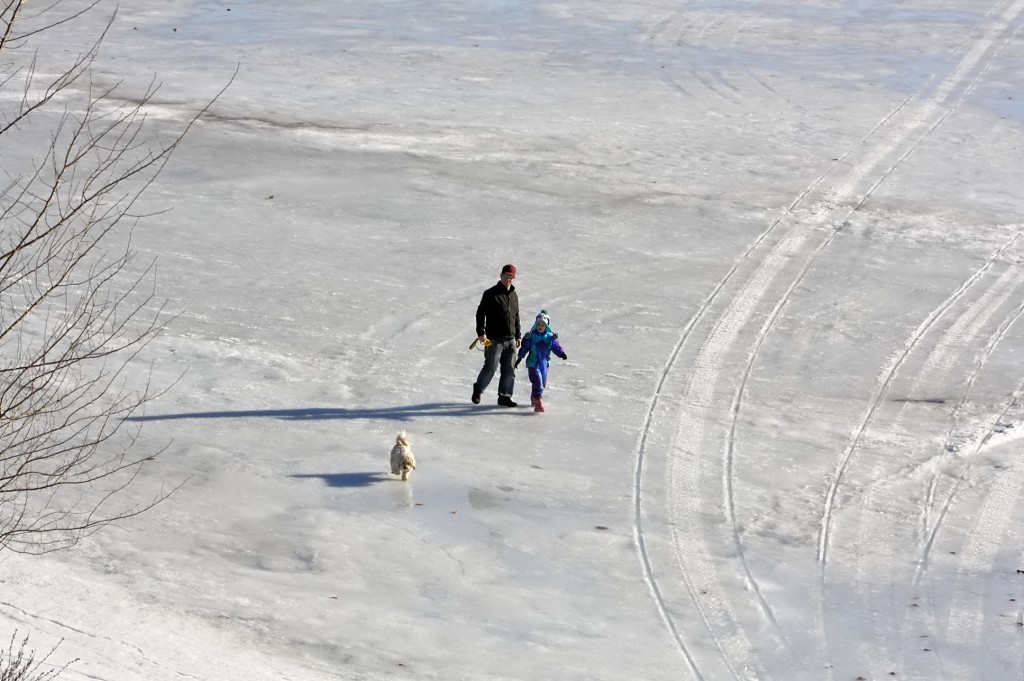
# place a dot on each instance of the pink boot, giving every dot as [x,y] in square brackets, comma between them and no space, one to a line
[538,405]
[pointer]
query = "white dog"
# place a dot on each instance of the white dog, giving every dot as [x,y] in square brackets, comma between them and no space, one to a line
[402,461]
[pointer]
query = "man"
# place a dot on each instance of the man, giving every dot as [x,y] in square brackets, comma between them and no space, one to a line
[497,321]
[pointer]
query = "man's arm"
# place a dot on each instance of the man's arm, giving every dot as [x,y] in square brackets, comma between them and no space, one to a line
[519,328]
[481,318]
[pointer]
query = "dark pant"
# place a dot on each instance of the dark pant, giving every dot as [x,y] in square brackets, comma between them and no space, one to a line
[503,353]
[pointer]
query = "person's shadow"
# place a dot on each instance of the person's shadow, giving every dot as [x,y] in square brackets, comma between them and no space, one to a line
[353,480]
[403,413]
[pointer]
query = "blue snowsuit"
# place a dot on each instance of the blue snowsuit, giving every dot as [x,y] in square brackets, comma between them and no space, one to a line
[537,348]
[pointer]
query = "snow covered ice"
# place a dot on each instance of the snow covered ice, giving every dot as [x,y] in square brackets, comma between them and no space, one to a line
[781,242]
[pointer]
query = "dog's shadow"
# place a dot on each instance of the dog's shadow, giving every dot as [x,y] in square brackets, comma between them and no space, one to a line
[347,480]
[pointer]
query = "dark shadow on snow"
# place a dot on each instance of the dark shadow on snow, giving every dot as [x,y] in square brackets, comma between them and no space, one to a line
[347,479]
[407,413]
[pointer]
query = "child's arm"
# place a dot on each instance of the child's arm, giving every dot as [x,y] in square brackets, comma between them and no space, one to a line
[556,348]
[524,349]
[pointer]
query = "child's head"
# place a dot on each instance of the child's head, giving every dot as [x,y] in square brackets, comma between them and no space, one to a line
[543,321]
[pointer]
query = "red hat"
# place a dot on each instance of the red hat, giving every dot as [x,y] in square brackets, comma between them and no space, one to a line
[509,269]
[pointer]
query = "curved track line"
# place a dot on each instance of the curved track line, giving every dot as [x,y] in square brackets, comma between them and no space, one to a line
[964,330]
[963,334]
[966,65]
[712,80]
[979,445]
[645,431]
[736,316]
[650,58]
[945,91]
[642,440]
[728,454]
[838,194]
[931,535]
[967,611]
[640,450]
[882,387]
[999,496]
[922,564]
[728,327]
[959,336]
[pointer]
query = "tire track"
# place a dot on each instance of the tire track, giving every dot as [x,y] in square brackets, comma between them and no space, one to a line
[966,619]
[879,159]
[878,397]
[640,454]
[968,325]
[962,333]
[883,384]
[649,43]
[640,451]
[701,27]
[929,116]
[950,446]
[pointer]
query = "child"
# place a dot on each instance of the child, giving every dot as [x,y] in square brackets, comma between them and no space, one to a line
[539,343]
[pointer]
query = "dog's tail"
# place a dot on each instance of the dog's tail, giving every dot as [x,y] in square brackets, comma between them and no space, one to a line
[402,439]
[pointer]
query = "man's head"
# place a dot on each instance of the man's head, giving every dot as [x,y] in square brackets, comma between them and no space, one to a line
[508,274]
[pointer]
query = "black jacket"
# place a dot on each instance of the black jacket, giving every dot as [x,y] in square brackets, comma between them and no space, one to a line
[497,316]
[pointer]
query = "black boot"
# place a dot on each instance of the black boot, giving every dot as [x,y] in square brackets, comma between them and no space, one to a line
[476,394]
[506,401]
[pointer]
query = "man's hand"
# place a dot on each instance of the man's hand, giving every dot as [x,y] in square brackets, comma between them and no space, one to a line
[519,342]
[482,338]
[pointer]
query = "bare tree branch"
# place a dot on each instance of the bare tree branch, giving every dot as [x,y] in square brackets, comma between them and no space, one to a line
[76,310]
[19,663]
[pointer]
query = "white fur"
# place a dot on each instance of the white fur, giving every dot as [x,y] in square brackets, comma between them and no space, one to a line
[402,460]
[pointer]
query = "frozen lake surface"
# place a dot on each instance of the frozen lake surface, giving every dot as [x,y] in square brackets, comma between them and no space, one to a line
[780,243]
